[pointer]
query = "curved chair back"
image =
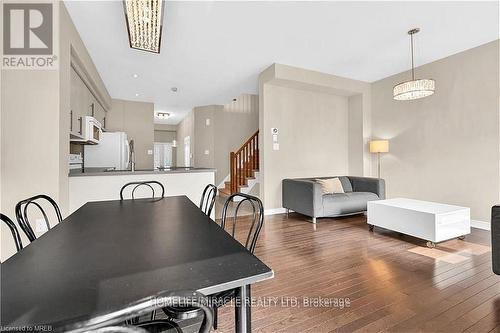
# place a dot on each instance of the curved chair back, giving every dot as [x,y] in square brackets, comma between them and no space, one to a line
[120,329]
[22,213]
[208,199]
[13,230]
[148,183]
[257,217]
[146,306]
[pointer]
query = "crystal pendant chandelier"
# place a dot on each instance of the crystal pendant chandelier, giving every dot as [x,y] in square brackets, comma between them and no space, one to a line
[416,88]
[144,24]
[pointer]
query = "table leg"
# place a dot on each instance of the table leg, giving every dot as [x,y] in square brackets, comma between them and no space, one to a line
[243,322]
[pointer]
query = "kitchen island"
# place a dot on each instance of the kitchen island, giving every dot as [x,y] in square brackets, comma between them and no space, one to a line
[99,184]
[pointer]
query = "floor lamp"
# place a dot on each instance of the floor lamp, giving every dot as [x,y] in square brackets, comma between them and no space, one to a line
[379,146]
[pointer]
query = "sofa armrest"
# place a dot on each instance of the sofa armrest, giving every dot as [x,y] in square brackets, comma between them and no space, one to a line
[302,196]
[495,239]
[366,184]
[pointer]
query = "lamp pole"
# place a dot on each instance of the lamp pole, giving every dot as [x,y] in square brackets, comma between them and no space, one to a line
[378,157]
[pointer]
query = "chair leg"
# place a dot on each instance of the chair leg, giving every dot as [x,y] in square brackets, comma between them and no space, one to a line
[215,310]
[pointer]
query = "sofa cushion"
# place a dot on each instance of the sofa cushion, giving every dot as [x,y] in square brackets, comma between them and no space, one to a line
[346,184]
[344,180]
[346,203]
[331,185]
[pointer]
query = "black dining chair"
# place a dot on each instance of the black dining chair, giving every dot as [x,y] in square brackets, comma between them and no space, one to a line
[255,217]
[208,199]
[13,229]
[119,329]
[22,213]
[147,183]
[256,220]
[116,319]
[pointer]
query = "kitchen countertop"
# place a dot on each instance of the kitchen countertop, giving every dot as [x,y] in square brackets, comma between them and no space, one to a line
[103,172]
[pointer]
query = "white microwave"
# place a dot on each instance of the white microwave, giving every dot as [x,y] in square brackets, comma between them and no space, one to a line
[91,131]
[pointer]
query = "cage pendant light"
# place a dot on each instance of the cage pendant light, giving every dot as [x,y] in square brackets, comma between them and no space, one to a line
[415,88]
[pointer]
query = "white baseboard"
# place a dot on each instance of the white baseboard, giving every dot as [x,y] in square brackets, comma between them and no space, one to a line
[274,211]
[480,225]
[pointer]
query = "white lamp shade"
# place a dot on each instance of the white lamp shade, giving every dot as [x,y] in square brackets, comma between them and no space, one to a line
[379,146]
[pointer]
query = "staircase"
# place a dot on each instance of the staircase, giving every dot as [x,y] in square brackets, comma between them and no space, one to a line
[244,167]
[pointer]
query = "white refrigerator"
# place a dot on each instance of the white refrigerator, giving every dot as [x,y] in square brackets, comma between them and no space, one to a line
[112,151]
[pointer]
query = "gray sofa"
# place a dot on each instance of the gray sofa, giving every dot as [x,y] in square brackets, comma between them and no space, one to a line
[304,196]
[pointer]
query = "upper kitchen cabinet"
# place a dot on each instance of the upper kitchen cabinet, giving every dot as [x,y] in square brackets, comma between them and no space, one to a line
[77,101]
[100,114]
[83,103]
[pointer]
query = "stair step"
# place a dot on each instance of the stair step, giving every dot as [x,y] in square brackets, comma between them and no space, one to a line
[224,192]
[247,178]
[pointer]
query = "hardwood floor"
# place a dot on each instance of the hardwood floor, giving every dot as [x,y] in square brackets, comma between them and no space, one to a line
[392,283]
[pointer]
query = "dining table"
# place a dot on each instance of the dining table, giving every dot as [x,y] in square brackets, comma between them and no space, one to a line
[108,254]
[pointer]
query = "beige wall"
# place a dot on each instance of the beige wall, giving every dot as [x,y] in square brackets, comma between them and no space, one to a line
[313,137]
[165,127]
[230,126]
[35,127]
[204,134]
[184,129]
[445,147]
[317,134]
[135,119]
[164,136]
[355,136]
[237,122]
[30,141]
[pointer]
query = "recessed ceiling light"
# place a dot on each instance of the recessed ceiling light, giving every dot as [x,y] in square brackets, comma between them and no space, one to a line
[162,115]
[135,76]
[174,89]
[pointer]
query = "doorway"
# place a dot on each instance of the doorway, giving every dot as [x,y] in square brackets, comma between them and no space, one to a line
[162,155]
[187,151]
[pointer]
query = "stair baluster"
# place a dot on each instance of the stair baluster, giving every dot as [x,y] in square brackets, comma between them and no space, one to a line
[243,163]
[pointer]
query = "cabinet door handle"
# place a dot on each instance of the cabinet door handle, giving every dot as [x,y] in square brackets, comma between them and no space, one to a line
[80,120]
[71,120]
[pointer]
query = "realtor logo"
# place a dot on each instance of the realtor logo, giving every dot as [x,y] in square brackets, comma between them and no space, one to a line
[28,36]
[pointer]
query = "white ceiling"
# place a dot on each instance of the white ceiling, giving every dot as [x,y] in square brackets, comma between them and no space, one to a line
[214,51]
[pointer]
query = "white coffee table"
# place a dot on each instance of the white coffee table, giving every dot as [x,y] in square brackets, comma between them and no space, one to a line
[431,221]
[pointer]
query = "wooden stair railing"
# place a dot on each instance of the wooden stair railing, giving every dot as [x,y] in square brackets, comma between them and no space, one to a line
[243,163]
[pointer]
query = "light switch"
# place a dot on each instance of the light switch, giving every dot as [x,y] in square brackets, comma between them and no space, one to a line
[275,137]
[276,146]
[150,152]
[207,121]
[207,152]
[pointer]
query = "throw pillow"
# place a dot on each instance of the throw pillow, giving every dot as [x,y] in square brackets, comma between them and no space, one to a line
[331,185]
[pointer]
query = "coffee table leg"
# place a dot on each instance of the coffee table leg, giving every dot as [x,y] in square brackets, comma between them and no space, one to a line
[242,310]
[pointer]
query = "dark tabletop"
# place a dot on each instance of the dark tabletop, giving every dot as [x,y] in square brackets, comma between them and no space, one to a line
[108,254]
